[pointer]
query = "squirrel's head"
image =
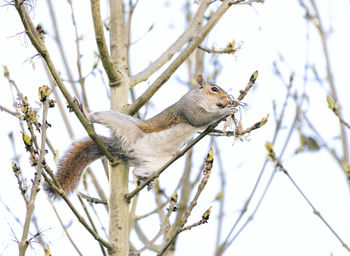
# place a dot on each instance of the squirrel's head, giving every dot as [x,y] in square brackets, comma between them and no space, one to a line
[215,95]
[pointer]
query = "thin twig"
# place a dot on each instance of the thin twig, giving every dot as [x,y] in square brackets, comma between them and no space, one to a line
[152,212]
[91,222]
[78,62]
[278,164]
[221,200]
[163,228]
[58,100]
[132,7]
[8,111]
[61,48]
[57,188]
[64,228]
[334,106]
[237,132]
[226,50]
[186,190]
[332,151]
[92,199]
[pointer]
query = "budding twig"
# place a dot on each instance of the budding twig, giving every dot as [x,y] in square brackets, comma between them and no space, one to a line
[201,186]
[277,162]
[164,227]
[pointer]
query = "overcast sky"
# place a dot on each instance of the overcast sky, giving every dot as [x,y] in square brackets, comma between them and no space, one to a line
[276,30]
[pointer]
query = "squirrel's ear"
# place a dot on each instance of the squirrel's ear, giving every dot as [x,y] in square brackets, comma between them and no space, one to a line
[200,80]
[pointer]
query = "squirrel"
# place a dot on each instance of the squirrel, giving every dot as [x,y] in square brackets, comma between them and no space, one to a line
[146,145]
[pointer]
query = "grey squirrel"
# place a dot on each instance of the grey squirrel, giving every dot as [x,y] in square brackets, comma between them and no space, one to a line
[146,145]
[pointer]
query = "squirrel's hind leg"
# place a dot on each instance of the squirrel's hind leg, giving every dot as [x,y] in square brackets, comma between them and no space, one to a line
[121,125]
[110,118]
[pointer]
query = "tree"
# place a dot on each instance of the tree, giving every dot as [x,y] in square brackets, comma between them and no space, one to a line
[113,62]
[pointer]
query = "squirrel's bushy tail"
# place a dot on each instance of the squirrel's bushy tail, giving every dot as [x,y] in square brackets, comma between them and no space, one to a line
[72,164]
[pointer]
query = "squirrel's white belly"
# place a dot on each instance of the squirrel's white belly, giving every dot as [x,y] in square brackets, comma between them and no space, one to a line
[165,142]
[156,149]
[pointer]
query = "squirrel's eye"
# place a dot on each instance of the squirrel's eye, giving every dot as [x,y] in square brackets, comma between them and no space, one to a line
[214,89]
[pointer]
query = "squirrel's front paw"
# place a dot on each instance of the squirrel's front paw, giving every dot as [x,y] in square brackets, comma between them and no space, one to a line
[82,108]
[230,110]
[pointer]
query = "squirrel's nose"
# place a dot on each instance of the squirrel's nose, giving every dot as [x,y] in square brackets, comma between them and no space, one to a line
[231,100]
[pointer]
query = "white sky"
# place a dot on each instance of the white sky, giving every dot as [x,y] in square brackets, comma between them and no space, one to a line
[284,224]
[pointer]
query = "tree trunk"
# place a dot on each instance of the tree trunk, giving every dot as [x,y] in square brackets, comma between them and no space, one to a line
[118,175]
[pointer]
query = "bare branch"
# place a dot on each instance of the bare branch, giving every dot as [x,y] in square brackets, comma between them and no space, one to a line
[176,46]
[198,39]
[107,63]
